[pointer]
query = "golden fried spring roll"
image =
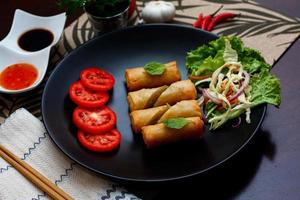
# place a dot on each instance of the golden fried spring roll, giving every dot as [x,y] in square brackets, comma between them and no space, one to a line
[186,108]
[159,134]
[138,78]
[144,98]
[140,118]
[178,91]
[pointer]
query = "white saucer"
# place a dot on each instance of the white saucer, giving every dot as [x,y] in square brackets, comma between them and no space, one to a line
[11,53]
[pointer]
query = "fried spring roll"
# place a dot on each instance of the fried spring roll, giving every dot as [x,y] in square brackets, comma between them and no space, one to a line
[159,134]
[144,98]
[140,118]
[186,108]
[178,91]
[138,78]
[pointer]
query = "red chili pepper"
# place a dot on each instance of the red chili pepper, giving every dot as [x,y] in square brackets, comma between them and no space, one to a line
[220,18]
[206,22]
[198,22]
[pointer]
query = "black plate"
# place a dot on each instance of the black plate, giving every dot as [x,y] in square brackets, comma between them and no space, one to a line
[115,52]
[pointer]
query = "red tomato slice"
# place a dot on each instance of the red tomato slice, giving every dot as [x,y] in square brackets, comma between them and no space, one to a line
[104,142]
[87,98]
[96,79]
[94,121]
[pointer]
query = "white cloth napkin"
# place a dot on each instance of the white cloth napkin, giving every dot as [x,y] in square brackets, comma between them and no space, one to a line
[25,136]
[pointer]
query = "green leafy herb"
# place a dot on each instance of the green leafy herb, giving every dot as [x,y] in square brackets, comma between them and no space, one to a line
[100,8]
[155,68]
[176,123]
[71,5]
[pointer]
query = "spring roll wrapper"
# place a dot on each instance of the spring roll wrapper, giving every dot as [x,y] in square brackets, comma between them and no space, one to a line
[185,108]
[159,134]
[138,78]
[140,118]
[144,98]
[178,91]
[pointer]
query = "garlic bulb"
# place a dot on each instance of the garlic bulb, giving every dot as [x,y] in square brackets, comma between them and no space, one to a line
[158,11]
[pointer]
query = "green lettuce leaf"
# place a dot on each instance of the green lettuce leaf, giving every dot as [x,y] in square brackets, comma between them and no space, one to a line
[252,61]
[265,88]
[206,59]
[230,55]
[210,64]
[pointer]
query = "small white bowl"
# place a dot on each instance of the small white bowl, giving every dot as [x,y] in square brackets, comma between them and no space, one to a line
[11,53]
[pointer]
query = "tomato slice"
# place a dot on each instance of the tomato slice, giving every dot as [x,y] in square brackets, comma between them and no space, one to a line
[97,79]
[104,142]
[94,121]
[87,98]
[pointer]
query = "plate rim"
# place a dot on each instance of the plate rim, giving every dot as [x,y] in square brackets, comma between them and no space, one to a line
[137,180]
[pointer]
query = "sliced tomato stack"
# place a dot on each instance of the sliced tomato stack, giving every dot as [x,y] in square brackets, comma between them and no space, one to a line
[96,121]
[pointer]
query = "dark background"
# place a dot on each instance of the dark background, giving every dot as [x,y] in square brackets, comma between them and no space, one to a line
[269,166]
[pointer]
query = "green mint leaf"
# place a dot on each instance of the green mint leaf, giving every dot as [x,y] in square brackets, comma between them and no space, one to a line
[71,5]
[176,123]
[155,68]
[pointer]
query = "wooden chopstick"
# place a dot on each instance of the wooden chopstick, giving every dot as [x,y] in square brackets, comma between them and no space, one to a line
[34,176]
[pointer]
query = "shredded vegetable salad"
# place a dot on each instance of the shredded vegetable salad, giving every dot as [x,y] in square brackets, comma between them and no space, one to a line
[231,88]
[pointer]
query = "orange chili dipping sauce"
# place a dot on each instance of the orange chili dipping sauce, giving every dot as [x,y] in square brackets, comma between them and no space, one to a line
[18,76]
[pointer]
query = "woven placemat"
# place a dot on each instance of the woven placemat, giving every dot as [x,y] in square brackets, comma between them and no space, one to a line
[268,31]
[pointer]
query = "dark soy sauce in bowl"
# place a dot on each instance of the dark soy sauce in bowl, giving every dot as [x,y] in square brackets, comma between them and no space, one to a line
[35,39]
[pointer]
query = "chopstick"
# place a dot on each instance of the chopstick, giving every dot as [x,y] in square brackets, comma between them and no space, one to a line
[33,175]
